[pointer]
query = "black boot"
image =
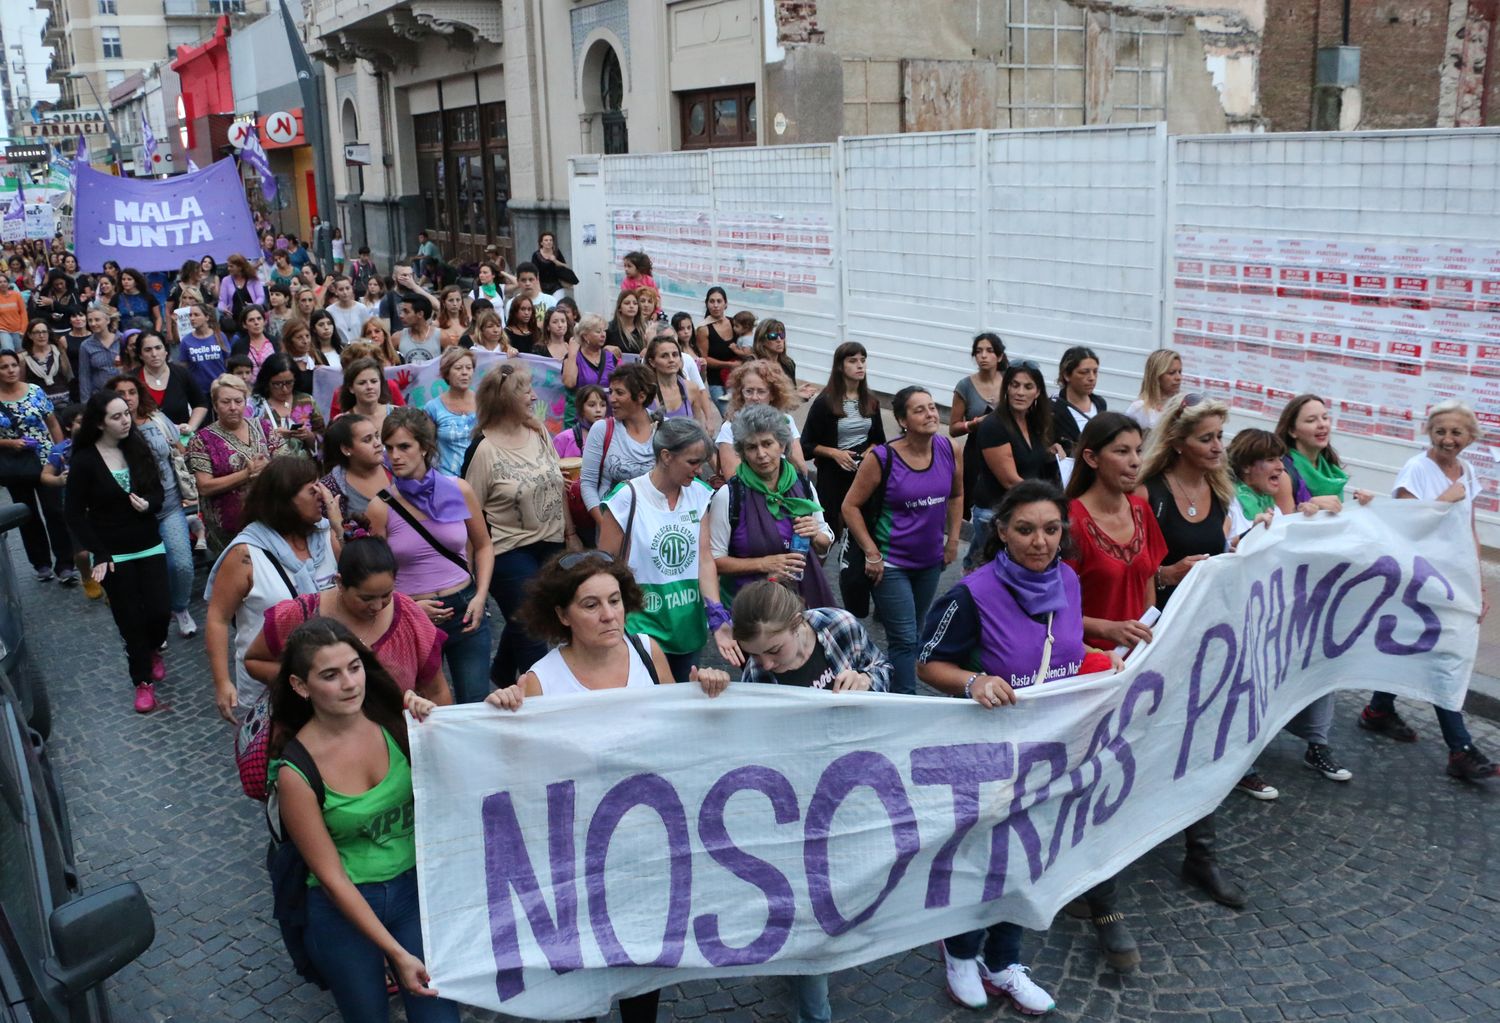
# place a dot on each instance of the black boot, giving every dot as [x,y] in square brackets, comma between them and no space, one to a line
[1119,948]
[1201,867]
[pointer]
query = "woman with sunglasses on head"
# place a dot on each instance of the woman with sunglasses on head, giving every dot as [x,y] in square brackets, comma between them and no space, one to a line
[1076,403]
[843,423]
[666,506]
[770,344]
[443,553]
[1440,474]
[1015,444]
[513,470]
[974,398]
[1160,382]
[920,490]
[1185,481]
[579,604]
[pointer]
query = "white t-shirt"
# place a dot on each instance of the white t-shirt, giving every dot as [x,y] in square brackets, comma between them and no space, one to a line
[351,321]
[1421,477]
[726,432]
[557,679]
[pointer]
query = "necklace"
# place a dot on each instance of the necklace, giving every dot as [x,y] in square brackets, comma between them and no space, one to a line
[157,381]
[1191,500]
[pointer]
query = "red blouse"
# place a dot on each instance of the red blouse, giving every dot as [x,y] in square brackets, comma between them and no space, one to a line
[1113,576]
[411,649]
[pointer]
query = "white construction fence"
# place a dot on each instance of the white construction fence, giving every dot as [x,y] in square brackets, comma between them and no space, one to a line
[1363,266]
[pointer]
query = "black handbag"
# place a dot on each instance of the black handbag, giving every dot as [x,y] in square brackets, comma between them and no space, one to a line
[19,465]
[854,585]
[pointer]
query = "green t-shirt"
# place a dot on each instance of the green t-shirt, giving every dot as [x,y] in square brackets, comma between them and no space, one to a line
[374,831]
[664,558]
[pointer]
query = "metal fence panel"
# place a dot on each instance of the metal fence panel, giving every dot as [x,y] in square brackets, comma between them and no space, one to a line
[1361,267]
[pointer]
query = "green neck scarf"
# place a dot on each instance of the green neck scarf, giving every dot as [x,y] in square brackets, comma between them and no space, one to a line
[1323,479]
[1253,502]
[489,290]
[777,502]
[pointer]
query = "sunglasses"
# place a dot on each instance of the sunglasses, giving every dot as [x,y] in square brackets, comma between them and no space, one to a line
[774,335]
[577,558]
[1027,364]
[1193,398]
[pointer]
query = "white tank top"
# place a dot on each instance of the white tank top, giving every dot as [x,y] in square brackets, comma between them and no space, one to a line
[557,679]
[267,589]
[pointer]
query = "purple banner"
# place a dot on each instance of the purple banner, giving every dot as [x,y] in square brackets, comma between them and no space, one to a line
[160,224]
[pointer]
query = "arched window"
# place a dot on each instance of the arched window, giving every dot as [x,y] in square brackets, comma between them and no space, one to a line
[611,98]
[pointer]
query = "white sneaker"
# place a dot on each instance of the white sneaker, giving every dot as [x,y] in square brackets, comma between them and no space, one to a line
[185,624]
[1015,983]
[964,984]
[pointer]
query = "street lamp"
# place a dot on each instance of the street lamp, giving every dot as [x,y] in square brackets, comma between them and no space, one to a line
[109,122]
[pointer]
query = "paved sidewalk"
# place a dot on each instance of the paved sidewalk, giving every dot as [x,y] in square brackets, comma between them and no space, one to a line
[1371,901]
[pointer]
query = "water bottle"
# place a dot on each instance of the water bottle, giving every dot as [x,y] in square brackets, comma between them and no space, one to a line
[803,546]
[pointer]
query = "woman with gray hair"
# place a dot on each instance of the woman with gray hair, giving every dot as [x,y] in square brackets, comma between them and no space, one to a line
[767,520]
[657,524]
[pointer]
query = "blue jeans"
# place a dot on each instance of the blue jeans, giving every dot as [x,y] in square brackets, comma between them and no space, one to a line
[518,650]
[717,392]
[10,341]
[682,664]
[1451,722]
[980,519]
[811,992]
[172,524]
[1001,944]
[901,600]
[355,968]
[468,653]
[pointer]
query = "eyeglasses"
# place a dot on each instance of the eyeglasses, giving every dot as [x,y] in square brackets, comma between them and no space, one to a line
[283,383]
[774,335]
[577,558]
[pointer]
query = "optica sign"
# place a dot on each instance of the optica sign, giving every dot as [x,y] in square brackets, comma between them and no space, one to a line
[281,128]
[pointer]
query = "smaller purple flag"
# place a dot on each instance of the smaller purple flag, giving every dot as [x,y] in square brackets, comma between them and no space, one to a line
[82,154]
[149,144]
[252,153]
[17,208]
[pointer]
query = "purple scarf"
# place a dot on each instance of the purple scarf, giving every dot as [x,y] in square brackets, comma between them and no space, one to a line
[1037,593]
[435,496]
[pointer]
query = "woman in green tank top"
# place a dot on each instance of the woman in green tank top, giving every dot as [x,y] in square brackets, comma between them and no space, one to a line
[342,772]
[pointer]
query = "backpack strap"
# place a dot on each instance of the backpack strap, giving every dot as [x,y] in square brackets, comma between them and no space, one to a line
[286,579]
[645,655]
[416,524]
[635,500]
[296,754]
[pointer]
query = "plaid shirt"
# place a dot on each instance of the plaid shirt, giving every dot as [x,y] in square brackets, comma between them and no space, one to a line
[845,643]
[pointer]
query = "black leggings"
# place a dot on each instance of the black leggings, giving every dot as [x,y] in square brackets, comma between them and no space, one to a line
[138,599]
[45,527]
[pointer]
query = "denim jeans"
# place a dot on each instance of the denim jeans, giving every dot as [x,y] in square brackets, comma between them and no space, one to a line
[355,968]
[468,653]
[811,992]
[518,650]
[1001,944]
[980,520]
[902,598]
[10,341]
[1313,721]
[719,394]
[1451,722]
[682,664]
[172,524]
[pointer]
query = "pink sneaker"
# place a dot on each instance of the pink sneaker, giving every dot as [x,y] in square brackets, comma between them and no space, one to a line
[145,698]
[158,667]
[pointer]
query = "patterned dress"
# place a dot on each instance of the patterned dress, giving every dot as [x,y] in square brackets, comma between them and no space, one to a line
[219,453]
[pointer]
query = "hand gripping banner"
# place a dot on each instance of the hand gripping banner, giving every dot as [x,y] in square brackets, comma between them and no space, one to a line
[594,846]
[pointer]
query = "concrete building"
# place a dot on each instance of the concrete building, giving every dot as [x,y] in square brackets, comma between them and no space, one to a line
[470,109]
[109,40]
[23,69]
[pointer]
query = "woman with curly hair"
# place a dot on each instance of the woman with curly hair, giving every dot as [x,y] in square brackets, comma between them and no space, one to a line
[758,382]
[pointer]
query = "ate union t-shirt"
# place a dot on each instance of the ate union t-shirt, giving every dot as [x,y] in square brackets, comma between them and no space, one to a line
[1113,577]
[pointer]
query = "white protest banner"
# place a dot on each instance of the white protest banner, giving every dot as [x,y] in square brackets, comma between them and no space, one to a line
[674,837]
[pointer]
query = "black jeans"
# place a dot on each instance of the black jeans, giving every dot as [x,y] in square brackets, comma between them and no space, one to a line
[45,528]
[518,649]
[138,598]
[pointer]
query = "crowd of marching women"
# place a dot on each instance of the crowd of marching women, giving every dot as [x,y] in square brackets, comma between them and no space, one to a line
[356,549]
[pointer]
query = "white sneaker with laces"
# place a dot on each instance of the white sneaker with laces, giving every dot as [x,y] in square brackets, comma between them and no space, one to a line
[185,624]
[964,984]
[1015,983]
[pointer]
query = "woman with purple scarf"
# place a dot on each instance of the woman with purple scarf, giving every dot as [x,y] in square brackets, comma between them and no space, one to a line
[444,557]
[1015,622]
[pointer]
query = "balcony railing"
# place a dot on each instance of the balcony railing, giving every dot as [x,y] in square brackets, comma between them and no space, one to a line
[201,8]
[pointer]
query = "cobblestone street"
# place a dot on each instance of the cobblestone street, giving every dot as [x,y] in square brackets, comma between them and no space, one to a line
[1372,901]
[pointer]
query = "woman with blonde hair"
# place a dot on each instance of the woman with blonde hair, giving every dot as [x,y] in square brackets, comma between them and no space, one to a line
[758,382]
[489,333]
[225,456]
[514,472]
[378,332]
[651,311]
[589,362]
[1160,382]
[454,411]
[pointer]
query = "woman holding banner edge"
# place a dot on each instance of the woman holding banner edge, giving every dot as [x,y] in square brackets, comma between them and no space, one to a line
[1015,622]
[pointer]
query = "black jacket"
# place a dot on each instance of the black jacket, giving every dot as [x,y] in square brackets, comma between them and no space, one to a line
[99,512]
[1065,429]
[822,429]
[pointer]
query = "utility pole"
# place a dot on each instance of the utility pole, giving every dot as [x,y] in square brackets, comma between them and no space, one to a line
[109,122]
[316,132]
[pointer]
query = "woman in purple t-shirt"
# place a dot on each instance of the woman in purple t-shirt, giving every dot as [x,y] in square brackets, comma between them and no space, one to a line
[919,489]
